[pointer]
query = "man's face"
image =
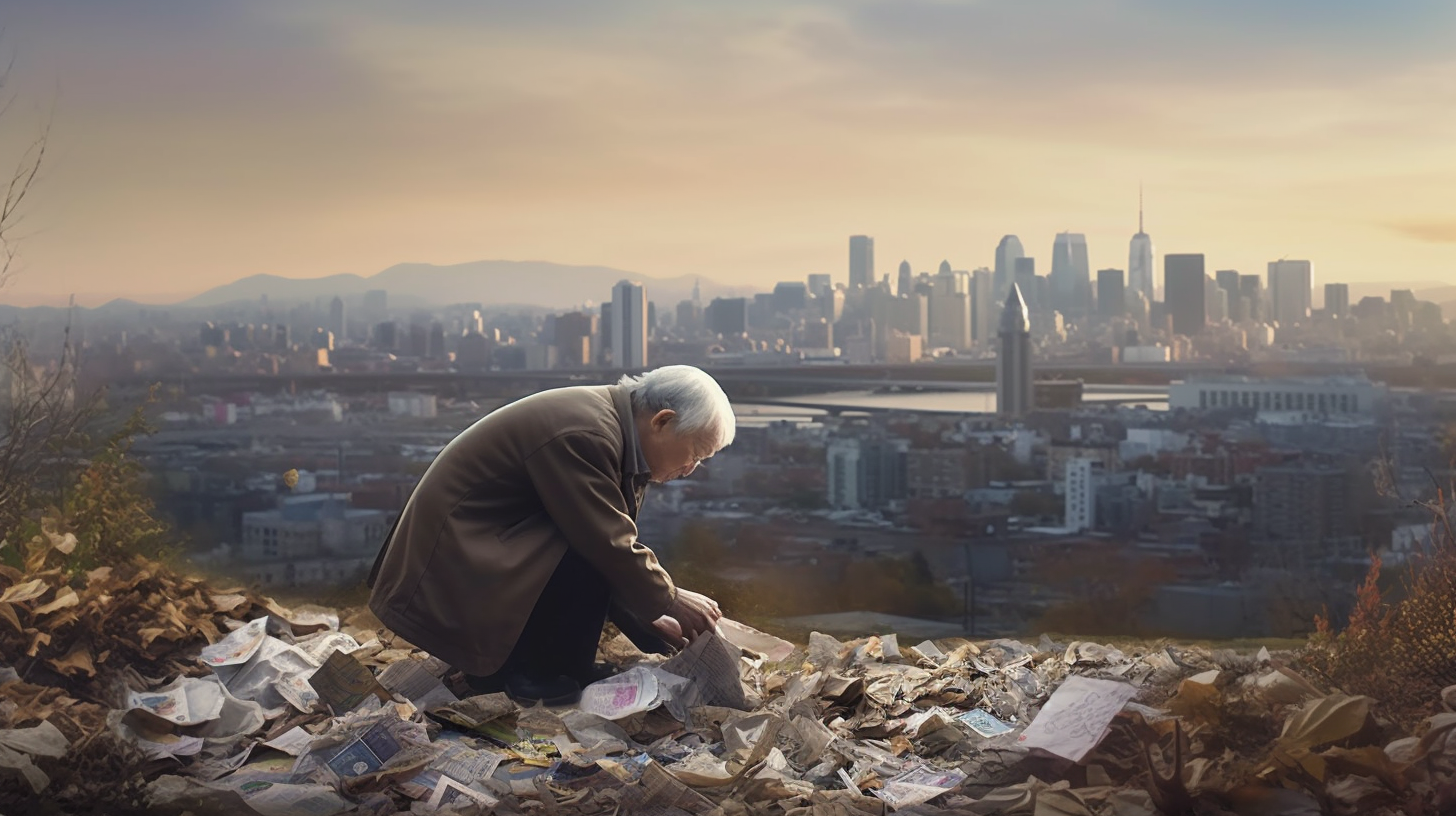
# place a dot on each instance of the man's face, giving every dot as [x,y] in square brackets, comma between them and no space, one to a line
[670,455]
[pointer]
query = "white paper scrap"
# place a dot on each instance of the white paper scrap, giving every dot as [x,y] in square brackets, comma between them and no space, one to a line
[238,646]
[1077,716]
[293,742]
[746,637]
[448,791]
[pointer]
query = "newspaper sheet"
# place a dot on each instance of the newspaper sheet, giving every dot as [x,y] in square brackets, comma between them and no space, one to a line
[366,753]
[746,637]
[293,742]
[318,647]
[343,683]
[184,701]
[918,786]
[238,646]
[712,664]
[984,723]
[449,792]
[284,799]
[413,680]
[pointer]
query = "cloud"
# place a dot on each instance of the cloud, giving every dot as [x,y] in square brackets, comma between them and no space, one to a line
[304,138]
[1435,232]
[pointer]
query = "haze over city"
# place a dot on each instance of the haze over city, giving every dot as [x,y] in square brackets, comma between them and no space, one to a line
[190,146]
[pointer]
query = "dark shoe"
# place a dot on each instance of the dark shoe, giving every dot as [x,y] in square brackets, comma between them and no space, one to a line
[486,684]
[598,671]
[554,691]
[527,690]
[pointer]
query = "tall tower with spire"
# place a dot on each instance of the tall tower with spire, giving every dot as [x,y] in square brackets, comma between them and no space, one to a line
[1014,382]
[1140,258]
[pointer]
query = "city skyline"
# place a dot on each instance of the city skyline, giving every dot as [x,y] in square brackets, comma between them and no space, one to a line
[665,141]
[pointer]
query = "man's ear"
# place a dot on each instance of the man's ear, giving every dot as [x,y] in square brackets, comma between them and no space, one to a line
[663,418]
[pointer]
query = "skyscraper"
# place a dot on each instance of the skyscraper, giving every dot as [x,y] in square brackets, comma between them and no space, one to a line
[1337,299]
[1014,382]
[1251,295]
[1024,276]
[861,261]
[1111,293]
[338,319]
[728,316]
[1140,259]
[1005,270]
[950,310]
[629,325]
[1228,281]
[905,284]
[983,307]
[820,285]
[1215,302]
[1070,277]
[1184,294]
[1289,291]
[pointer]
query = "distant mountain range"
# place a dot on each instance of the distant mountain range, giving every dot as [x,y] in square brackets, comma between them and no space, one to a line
[533,283]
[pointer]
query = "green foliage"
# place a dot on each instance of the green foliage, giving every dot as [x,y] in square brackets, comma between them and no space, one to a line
[88,507]
[108,508]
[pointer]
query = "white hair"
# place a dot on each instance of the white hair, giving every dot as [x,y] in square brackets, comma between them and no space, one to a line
[696,398]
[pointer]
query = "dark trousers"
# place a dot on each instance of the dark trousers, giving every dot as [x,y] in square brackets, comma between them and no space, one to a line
[564,628]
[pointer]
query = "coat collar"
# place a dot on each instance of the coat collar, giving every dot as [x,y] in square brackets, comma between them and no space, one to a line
[634,463]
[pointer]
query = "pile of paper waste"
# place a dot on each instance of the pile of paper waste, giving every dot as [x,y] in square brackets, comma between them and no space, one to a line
[135,690]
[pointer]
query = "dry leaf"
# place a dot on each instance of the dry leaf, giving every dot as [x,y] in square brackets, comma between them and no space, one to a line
[66,597]
[76,660]
[227,603]
[8,613]
[28,591]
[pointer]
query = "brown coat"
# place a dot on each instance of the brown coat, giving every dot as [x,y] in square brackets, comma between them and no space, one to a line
[495,512]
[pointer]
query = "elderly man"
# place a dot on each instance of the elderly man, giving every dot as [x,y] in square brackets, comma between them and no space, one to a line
[522,536]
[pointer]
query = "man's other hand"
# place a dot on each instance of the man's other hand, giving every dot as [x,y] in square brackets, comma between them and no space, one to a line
[696,614]
[671,631]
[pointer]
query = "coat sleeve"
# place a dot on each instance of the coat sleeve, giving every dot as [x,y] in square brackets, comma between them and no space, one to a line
[576,475]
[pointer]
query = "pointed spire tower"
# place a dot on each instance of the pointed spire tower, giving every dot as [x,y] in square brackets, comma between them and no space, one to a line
[1140,258]
[1014,383]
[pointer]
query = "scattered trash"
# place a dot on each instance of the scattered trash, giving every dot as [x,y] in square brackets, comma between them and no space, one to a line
[221,701]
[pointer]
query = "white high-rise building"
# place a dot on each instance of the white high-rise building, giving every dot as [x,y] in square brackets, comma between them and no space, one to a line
[1081,498]
[629,325]
[1140,276]
[1290,287]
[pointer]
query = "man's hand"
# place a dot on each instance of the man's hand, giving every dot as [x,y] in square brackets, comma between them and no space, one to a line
[671,631]
[695,614]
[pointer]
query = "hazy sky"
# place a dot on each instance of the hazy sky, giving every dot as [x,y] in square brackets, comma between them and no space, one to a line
[193,143]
